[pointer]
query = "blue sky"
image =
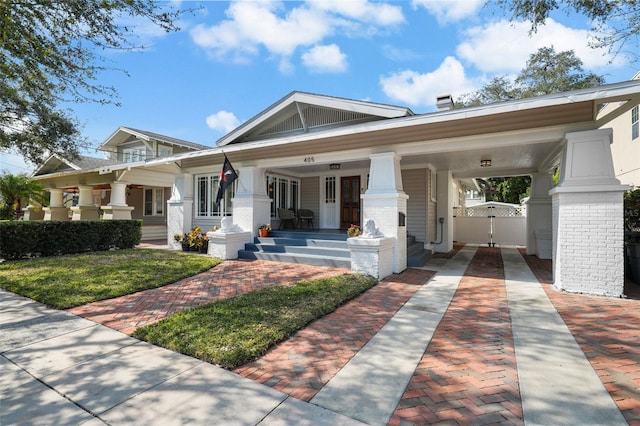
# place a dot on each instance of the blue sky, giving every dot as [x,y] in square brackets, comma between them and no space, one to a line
[231,60]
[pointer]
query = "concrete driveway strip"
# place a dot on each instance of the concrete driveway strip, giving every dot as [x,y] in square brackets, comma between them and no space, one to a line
[557,383]
[369,387]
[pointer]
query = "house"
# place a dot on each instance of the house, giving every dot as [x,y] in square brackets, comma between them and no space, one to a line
[394,172]
[626,144]
[82,189]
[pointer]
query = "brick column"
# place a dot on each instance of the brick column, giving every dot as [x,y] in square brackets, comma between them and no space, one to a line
[179,208]
[588,238]
[251,205]
[384,201]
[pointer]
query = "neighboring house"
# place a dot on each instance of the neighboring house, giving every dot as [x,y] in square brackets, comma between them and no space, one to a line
[352,161]
[82,188]
[626,139]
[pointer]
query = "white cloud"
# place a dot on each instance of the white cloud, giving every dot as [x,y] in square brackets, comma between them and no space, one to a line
[362,10]
[450,10]
[504,47]
[325,59]
[223,121]
[253,26]
[414,88]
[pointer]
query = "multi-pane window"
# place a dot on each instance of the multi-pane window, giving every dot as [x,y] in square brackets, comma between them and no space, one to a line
[132,155]
[164,151]
[154,202]
[330,190]
[635,124]
[284,193]
[206,191]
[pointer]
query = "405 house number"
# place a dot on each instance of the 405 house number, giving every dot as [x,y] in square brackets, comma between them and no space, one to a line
[309,160]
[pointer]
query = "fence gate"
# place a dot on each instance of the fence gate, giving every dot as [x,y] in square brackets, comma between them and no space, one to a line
[497,223]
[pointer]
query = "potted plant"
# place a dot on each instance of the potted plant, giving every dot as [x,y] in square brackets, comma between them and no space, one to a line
[195,239]
[632,232]
[264,230]
[354,231]
[182,239]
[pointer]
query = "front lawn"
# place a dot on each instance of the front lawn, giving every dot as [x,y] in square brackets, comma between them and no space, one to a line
[72,280]
[232,332]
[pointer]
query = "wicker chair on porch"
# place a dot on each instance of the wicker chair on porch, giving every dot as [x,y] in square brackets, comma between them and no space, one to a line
[305,215]
[286,216]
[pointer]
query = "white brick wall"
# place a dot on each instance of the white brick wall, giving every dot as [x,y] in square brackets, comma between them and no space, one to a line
[588,242]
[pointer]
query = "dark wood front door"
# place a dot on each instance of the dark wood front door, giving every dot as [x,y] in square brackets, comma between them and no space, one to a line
[350,201]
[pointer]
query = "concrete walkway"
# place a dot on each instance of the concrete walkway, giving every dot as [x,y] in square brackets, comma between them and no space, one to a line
[58,368]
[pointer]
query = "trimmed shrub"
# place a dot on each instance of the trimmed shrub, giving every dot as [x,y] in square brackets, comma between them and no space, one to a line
[19,239]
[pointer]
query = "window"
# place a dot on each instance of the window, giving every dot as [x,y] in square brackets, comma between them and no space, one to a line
[206,190]
[164,151]
[635,130]
[330,190]
[132,155]
[284,193]
[154,202]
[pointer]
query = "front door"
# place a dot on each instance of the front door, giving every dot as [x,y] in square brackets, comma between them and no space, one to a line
[350,201]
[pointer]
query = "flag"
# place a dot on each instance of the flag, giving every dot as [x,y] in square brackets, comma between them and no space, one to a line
[227,176]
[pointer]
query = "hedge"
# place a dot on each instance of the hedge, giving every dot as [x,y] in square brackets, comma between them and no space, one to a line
[19,239]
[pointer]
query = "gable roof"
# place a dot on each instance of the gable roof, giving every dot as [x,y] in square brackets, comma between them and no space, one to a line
[124,133]
[300,112]
[56,163]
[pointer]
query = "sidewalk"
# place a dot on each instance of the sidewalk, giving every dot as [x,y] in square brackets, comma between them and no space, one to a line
[474,345]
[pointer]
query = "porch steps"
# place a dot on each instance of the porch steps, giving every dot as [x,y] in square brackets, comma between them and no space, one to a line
[417,255]
[321,248]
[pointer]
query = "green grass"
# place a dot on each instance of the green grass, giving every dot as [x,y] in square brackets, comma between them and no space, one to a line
[234,331]
[72,280]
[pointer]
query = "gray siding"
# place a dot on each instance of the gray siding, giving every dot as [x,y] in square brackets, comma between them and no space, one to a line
[310,197]
[414,182]
[431,212]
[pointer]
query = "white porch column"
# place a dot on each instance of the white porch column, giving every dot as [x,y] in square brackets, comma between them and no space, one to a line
[251,205]
[33,212]
[180,208]
[85,210]
[539,215]
[444,210]
[588,236]
[385,201]
[117,209]
[56,209]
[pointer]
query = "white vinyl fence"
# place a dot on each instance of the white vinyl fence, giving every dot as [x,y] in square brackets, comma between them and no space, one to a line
[502,224]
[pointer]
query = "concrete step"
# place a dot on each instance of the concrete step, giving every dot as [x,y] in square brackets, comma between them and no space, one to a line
[300,249]
[306,259]
[320,248]
[307,242]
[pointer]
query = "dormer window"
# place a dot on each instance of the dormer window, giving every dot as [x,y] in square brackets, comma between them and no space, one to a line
[132,155]
[164,151]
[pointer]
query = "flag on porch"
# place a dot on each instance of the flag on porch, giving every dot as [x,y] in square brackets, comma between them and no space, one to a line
[227,176]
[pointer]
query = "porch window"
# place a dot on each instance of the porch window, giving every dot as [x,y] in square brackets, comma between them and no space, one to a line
[284,193]
[154,202]
[206,190]
[330,190]
[635,130]
[132,155]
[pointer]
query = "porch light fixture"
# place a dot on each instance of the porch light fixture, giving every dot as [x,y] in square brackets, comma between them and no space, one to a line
[485,163]
[334,166]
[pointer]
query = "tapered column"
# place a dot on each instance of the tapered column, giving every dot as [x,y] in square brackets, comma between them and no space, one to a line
[117,209]
[385,203]
[56,209]
[179,208]
[588,237]
[85,210]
